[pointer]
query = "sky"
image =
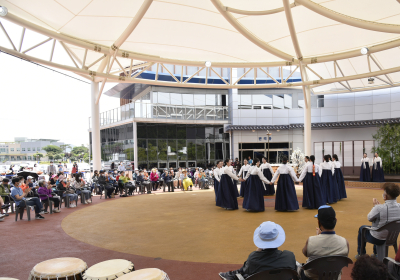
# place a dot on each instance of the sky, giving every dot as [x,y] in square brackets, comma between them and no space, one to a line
[40,103]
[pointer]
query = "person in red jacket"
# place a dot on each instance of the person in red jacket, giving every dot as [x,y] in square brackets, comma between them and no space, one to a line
[154,179]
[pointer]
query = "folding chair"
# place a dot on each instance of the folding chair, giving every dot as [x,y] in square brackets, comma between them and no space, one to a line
[328,267]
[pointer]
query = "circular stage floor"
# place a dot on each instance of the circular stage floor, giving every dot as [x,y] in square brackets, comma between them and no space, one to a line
[189,227]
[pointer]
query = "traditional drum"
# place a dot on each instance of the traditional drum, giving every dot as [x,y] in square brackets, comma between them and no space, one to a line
[108,270]
[59,269]
[145,274]
[7,278]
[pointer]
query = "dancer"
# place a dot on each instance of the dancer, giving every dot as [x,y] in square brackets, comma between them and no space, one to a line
[217,177]
[377,170]
[254,197]
[242,173]
[328,182]
[286,198]
[226,197]
[365,173]
[339,177]
[234,181]
[312,193]
[268,173]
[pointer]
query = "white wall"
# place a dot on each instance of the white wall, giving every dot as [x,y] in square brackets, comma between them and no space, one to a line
[354,106]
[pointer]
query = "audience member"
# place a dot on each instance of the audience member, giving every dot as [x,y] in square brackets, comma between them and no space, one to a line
[20,199]
[51,168]
[106,184]
[393,268]
[369,268]
[65,186]
[154,179]
[267,238]
[45,194]
[79,185]
[380,215]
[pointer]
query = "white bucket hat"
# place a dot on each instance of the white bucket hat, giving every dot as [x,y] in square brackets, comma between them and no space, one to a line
[269,235]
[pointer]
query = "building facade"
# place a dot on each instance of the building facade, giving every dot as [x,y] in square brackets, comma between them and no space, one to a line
[23,149]
[178,127]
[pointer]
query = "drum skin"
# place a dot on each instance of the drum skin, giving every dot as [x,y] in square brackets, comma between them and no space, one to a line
[108,270]
[145,274]
[59,268]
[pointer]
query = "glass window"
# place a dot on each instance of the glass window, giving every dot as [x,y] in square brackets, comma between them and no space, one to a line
[163,98]
[141,130]
[200,132]
[200,149]
[162,149]
[191,149]
[152,131]
[181,132]
[18,150]
[33,149]
[23,149]
[171,131]
[29,158]
[191,132]
[218,151]
[18,158]
[171,149]
[182,150]
[199,99]
[187,99]
[38,149]
[12,149]
[152,150]
[210,99]
[212,152]
[142,150]
[176,98]
[162,131]
[209,133]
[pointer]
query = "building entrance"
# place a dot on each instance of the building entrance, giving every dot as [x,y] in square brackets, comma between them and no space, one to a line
[275,153]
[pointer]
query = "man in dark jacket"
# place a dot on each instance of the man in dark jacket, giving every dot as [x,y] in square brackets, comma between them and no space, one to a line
[105,183]
[267,237]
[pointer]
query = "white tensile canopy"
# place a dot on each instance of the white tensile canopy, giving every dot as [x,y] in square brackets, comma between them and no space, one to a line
[335,44]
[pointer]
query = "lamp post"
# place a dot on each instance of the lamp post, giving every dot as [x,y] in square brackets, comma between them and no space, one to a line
[268,135]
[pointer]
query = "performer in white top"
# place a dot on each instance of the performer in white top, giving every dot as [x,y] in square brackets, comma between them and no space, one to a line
[365,173]
[312,193]
[286,198]
[242,173]
[377,170]
[254,197]
[268,173]
[339,177]
[330,192]
[233,180]
[217,177]
[227,197]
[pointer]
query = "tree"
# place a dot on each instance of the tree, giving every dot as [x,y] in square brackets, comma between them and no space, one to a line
[53,149]
[78,152]
[65,147]
[58,156]
[38,156]
[387,145]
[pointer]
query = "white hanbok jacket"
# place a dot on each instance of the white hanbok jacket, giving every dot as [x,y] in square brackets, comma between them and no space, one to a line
[285,169]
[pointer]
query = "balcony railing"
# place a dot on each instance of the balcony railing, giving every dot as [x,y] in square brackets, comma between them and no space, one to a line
[163,111]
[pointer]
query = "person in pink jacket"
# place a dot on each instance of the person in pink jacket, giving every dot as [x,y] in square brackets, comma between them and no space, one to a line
[154,179]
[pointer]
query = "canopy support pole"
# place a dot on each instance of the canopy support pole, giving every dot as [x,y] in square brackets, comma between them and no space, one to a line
[95,119]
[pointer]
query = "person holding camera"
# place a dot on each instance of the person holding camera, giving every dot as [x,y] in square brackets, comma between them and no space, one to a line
[166,176]
[69,191]
[19,196]
[45,194]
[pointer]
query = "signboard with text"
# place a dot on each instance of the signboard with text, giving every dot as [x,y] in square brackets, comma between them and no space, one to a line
[264,138]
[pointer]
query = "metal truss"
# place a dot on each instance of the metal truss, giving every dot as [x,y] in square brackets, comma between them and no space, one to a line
[113,64]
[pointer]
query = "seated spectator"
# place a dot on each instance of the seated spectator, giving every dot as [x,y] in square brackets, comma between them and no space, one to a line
[4,193]
[380,215]
[105,183]
[79,185]
[145,174]
[167,177]
[325,243]
[154,179]
[393,268]
[69,191]
[135,174]
[20,199]
[369,268]
[187,183]
[123,180]
[267,237]
[45,194]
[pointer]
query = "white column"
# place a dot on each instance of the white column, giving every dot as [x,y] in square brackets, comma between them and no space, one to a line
[307,124]
[95,118]
[135,146]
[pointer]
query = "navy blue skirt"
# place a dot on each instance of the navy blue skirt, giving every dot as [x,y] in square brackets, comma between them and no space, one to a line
[216,184]
[243,185]
[254,197]
[328,185]
[340,183]
[269,189]
[226,196]
[377,174]
[312,193]
[365,174]
[286,198]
